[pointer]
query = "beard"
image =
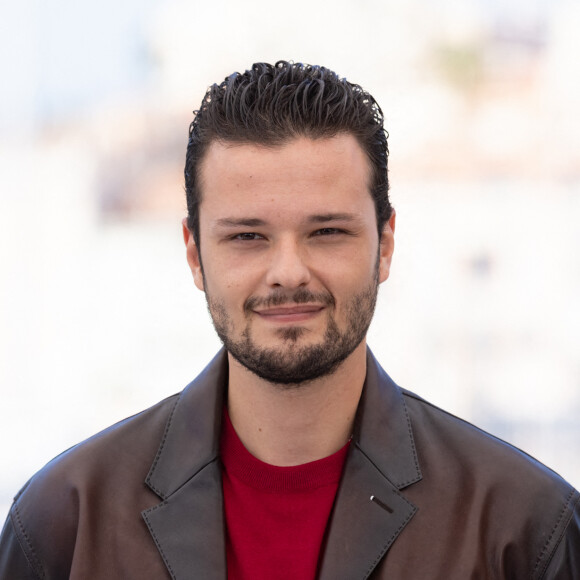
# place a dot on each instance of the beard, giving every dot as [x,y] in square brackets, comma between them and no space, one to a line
[293,363]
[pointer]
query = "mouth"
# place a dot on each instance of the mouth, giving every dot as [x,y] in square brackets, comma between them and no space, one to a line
[297,313]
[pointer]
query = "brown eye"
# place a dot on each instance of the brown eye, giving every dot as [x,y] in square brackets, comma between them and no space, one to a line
[248,236]
[327,231]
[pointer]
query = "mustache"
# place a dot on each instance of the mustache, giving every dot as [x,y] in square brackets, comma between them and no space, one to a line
[281,297]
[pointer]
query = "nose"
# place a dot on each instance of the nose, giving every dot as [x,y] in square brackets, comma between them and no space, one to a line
[288,267]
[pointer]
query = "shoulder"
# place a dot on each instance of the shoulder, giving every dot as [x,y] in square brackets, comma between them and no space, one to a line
[100,478]
[444,439]
[127,447]
[505,496]
[83,510]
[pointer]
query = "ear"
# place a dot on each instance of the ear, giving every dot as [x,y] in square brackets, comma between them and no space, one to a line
[193,258]
[387,246]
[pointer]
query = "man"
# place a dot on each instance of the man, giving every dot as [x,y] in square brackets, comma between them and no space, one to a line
[293,455]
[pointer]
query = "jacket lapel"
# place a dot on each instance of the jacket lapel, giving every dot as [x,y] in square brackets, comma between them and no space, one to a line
[382,461]
[188,530]
[362,529]
[188,526]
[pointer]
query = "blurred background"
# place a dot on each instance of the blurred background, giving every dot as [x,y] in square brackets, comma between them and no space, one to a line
[99,317]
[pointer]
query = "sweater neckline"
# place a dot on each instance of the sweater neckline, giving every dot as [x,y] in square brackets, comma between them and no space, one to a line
[239,463]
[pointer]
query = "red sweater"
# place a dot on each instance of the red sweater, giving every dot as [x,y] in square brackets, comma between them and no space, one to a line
[275,516]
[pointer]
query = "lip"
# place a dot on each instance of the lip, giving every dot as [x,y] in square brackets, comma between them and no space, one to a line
[296,313]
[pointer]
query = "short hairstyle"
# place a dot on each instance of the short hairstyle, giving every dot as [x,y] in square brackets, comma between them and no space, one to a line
[272,104]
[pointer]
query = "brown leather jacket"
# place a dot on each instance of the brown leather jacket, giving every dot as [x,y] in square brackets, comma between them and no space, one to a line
[142,500]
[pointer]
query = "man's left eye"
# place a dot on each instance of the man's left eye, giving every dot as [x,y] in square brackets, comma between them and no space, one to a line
[327,232]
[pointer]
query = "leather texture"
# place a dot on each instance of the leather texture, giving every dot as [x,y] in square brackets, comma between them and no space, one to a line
[142,499]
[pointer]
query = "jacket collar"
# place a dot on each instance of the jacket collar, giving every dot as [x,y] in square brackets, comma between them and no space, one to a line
[188,525]
[370,511]
[192,434]
[383,428]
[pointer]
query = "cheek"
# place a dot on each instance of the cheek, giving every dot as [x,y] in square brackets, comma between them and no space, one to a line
[355,273]
[226,286]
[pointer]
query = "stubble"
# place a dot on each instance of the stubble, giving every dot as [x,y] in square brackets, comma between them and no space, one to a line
[293,363]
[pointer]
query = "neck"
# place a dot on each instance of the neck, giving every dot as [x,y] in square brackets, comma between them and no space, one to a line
[284,425]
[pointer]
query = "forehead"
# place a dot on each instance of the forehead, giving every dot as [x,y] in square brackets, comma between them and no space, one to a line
[301,167]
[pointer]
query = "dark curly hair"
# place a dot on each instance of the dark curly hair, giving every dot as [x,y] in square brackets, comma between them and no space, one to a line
[271,104]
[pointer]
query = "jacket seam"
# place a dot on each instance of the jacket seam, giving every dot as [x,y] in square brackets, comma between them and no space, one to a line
[28,550]
[160,451]
[156,539]
[557,543]
[414,448]
[491,436]
[391,538]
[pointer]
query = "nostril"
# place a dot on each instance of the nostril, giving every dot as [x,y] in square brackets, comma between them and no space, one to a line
[287,267]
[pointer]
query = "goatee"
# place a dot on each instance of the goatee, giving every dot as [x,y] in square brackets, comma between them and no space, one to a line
[293,364]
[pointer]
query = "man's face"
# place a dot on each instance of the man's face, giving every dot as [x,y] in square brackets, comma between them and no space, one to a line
[290,255]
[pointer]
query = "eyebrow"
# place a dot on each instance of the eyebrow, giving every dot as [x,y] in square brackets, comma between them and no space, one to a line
[257,222]
[245,222]
[332,217]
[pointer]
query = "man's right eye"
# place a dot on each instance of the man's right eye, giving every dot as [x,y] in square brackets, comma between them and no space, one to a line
[247,236]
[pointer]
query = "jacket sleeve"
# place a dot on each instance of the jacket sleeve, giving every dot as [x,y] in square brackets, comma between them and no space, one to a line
[13,561]
[565,563]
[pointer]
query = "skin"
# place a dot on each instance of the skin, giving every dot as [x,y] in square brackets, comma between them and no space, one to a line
[274,221]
